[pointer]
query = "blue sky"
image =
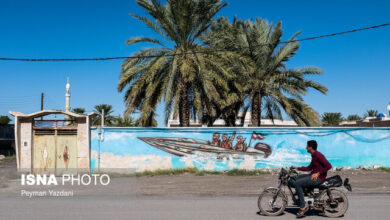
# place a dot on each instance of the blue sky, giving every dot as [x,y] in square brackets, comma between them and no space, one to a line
[356,65]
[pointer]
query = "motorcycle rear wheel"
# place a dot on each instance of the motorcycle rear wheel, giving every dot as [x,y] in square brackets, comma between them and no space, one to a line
[265,200]
[338,207]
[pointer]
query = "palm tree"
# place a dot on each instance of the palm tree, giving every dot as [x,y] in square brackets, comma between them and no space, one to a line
[78,110]
[270,85]
[175,69]
[353,118]
[331,118]
[220,38]
[149,121]
[108,118]
[371,113]
[126,121]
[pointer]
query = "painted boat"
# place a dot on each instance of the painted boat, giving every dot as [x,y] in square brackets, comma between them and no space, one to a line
[188,146]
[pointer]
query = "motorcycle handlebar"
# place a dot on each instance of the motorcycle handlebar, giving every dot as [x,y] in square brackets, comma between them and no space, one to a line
[293,169]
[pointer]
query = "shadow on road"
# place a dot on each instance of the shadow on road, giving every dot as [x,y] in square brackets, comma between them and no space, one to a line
[311,212]
[294,210]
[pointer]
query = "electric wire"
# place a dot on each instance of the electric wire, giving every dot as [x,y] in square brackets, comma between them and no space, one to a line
[177,54]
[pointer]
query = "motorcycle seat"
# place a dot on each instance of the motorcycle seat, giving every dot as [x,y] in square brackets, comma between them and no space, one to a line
[334,181]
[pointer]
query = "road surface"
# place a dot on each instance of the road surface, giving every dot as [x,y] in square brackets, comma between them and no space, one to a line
[164,208]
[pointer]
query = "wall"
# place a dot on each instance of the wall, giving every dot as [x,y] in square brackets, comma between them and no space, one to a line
[25,144]
[123,148]
[83,144]
[25,140]
[376,122]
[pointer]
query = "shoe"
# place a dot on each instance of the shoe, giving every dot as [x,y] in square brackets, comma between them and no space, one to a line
[302,211]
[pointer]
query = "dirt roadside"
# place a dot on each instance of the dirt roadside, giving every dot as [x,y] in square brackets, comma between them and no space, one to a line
[8,162]
[362,181]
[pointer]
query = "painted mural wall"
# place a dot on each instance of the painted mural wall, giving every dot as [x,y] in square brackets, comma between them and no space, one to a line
[229,148]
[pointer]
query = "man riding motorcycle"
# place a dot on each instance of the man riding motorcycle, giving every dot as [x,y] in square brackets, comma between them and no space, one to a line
[318,168]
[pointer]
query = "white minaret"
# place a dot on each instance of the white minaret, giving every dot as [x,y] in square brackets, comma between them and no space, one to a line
[67,98]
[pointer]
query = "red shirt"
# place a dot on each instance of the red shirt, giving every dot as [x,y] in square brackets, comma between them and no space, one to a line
[225,144]
[318,164]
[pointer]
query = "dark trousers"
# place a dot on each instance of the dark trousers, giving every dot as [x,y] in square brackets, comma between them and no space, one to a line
[302,181]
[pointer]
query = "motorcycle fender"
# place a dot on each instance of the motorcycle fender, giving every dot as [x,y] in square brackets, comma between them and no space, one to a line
[274,190]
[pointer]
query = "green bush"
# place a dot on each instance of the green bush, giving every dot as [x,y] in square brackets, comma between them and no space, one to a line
[386,169]
[239,172]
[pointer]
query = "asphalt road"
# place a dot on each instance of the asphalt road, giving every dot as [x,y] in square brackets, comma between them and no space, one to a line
[186,207]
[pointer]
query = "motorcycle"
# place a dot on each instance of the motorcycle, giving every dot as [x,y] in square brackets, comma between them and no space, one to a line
[326,197]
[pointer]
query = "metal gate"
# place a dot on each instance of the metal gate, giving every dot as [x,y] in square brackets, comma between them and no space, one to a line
[54,147]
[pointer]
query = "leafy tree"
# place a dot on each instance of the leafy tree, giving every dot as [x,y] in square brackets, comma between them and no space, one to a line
[371,113]
[231,100]
[4,120]
[173,69]
[78,110]
[270,86]
[108,118]
[353,118]
[126,121]
[331,118]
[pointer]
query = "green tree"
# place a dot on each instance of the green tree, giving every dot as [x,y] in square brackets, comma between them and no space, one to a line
[231,101]
[175,68]
[371,113]
[78,110]
[270,85]
[126,121]
[108,118]
[331,118]
[4,120]
[353,118]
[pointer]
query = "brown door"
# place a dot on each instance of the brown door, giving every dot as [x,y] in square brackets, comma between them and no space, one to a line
[44,154]
[54,153]
[66,154]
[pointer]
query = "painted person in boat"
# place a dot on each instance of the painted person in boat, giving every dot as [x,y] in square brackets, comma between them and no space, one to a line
[227,142]
[216,141]
[240,145]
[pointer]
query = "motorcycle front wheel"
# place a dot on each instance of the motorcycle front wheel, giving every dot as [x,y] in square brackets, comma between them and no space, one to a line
[336,207]
[269,207]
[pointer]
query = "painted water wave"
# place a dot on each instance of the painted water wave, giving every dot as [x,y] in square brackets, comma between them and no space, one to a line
[349,147]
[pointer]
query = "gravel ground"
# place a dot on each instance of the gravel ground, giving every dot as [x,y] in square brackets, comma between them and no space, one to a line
[362,181]
[8,162]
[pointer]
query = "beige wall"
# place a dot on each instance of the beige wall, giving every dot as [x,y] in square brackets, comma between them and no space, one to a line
[83,144]
[25,142]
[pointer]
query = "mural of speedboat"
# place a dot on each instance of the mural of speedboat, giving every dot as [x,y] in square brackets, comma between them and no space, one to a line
[188,146]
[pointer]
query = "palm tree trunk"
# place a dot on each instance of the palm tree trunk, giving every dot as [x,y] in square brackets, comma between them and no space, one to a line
[229,119]
[184,110]
[245,110]
[256,110]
